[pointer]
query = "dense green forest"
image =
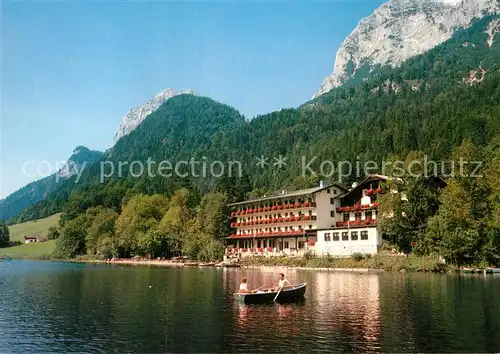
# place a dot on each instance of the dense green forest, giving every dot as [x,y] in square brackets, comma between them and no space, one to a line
[461,221]
[425,107]
[36,191]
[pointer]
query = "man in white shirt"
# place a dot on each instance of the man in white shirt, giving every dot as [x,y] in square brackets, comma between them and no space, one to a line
[282,282]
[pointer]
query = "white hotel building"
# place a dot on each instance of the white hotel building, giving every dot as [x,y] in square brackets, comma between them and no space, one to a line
[328,219]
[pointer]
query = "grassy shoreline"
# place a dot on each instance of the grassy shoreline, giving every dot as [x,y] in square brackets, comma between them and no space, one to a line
[411,263]
[35,250]
[374,264]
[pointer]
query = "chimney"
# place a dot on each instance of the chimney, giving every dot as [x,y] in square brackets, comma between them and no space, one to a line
[323,183]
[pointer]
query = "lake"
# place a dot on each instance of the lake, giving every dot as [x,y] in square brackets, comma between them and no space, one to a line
[73,307]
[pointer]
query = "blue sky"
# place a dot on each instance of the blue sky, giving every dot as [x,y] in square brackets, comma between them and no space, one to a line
[72,69]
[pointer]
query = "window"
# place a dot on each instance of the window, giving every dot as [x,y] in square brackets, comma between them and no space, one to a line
[335,236]
[310,227]
[332,213]
[327,237]
[332,200]
[301,244]
[354,235]
[328,191]
[364,235]
[286,244]
[345,236]
[264,243]
[334,191]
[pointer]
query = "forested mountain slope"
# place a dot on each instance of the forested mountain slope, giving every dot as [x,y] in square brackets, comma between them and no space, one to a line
[41,189]
[430,103]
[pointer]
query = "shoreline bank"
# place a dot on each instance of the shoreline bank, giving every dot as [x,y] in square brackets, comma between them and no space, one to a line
[374,265]
[325,269]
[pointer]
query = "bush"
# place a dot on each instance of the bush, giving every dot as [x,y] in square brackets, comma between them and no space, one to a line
[308,255]
[4,235]
[53,233]
[386,247]
[357,256]
[212,251]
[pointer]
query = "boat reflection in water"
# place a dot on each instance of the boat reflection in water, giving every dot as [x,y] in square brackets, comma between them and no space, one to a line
[338,308]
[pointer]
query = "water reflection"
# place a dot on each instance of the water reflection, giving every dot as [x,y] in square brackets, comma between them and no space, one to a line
[243,314]
[61,307]
[340,308]
[348,302]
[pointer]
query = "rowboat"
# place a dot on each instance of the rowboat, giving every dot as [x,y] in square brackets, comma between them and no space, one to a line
[287,294]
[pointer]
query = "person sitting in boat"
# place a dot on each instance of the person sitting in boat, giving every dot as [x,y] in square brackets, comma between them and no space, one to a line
[244,286]
[282,282]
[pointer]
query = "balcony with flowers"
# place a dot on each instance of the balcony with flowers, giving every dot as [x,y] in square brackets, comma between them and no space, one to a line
[263,251]
[357,207]
[282,233]
[355,223]
[277,220]
[291,205]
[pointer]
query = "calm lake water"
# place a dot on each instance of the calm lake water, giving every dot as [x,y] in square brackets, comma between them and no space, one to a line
[65,307]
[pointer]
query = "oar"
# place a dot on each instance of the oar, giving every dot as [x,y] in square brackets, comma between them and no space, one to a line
[277,294]
[260,287]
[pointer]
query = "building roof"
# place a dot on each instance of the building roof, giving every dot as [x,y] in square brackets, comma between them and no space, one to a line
[289,194]
[368,178]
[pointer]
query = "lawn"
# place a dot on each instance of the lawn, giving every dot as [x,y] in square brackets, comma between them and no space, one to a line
[30,250]
[33,228]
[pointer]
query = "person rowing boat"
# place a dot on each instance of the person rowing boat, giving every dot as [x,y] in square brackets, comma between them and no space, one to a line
[282,283]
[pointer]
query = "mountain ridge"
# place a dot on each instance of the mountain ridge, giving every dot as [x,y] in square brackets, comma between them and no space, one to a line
[399,30]
[337,115]
[38,190]
[137,114]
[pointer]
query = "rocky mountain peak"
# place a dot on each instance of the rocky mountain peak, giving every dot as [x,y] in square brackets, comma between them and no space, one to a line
[400,29]
[81,155]
[136,115]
